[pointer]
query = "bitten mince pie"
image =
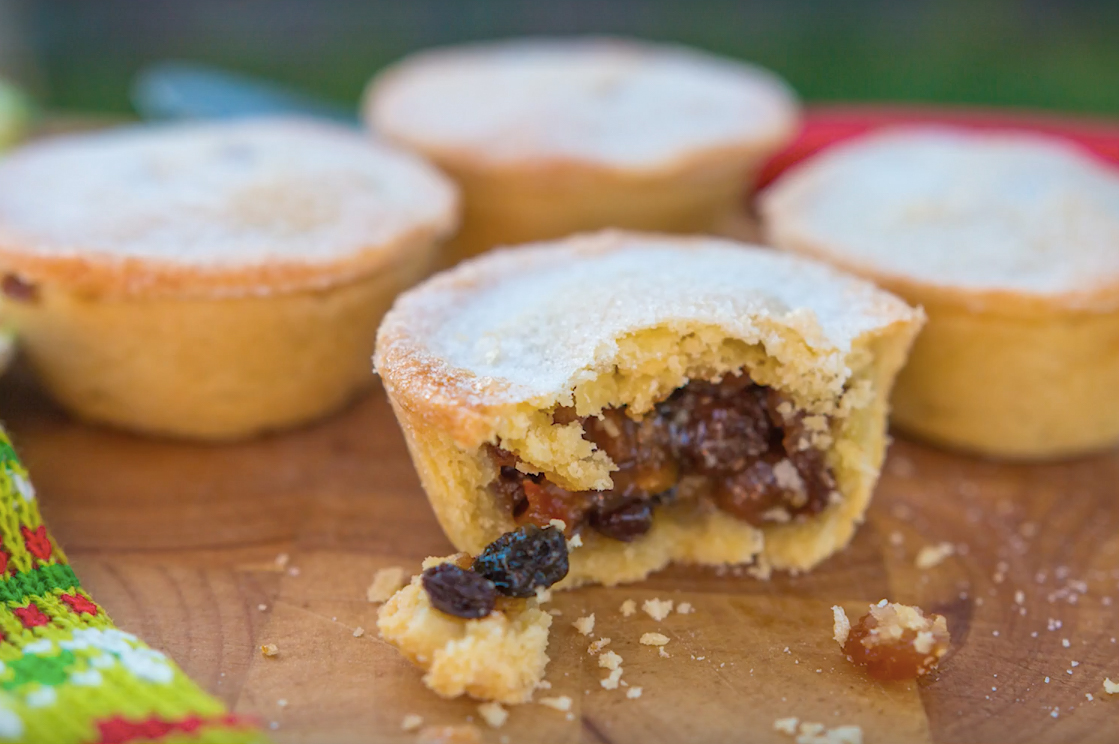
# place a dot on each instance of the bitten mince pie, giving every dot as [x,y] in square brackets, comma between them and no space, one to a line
[1011,244]
[548,137]
[687,399]
[211,280]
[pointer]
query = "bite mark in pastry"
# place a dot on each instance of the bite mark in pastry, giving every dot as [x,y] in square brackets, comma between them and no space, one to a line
[666,398]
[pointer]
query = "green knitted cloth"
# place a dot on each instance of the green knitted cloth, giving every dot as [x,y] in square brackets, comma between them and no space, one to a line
[66,673]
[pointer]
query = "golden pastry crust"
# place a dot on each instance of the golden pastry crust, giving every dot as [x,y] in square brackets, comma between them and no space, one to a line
[1008,241]
[484,353]
[216,210]
[180,367]
[499,657]
[549,137]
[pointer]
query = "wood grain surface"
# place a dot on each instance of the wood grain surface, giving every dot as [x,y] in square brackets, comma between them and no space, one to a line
[179,542]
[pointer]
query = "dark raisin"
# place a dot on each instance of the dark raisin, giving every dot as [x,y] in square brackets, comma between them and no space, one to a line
[18,289]
[751,493]
[520,561]
[626,522]
[459,592]
[718,427]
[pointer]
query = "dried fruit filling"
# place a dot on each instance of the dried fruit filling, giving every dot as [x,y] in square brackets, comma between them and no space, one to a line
[897,642]
[734,443]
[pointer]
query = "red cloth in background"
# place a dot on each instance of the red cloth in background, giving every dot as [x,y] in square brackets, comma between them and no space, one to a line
[826,125]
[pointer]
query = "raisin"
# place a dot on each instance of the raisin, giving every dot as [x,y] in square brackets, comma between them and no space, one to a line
[751,493]
[520,561]
[459,592]
[718,427]
[626,522]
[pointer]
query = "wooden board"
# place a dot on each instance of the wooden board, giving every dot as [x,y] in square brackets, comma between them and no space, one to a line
[178,542]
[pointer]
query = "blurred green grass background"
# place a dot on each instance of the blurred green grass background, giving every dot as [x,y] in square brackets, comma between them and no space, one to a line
[81,54]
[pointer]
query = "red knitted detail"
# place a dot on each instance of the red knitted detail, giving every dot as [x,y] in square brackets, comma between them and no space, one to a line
[79,604]
[4,562]
[119,730]
[31,615]
[37,542]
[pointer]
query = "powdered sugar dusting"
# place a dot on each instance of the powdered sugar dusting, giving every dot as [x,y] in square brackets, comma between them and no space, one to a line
[556,310]
[218,195]
[606,102]
[977,211]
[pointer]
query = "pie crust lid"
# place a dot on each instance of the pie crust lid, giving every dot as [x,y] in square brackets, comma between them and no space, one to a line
[601,102]
[216,209]
[528,324]
[992,219]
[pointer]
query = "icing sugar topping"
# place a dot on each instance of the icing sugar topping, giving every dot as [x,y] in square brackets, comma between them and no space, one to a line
[217,194]
[618,103]
[977,211]
[537,318]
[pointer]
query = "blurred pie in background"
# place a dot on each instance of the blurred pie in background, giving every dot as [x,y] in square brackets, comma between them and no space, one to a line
[211,280]
[550,137]
[1010,241]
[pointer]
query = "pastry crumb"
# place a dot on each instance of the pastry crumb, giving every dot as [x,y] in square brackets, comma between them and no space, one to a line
[493,714]
[584,625]
[931,556]
[497,658]
[386,582]
[461,734]
[786,725]
[663,654]
[262,607]
[611,682]
[610,660]
[559,524]
[654,639]
[597,646]
[411,722]
[281,560]
[817,733]
[684,608]
[269,650]
[844,735]
[563,703]
[628,608]
[359,632]
[543,595]
[761,571]
[633,693]
[657,609]
[1111,688]
[842,625]
[575,542]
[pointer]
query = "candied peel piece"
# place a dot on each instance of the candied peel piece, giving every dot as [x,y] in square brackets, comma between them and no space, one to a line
[897,642]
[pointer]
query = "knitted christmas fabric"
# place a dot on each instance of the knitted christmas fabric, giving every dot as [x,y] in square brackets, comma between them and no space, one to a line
[68,675]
